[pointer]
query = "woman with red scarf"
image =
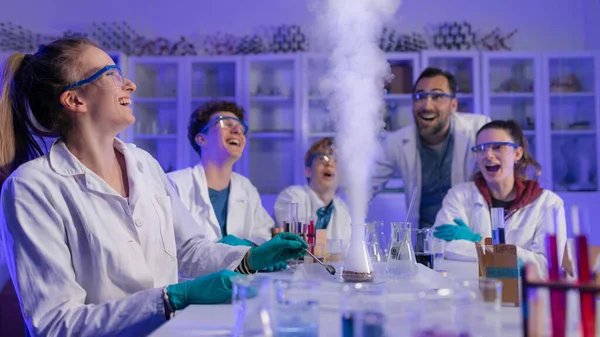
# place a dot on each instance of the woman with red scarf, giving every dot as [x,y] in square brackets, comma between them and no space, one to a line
[502,180]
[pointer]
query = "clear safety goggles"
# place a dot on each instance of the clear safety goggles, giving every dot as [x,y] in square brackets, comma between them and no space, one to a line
[496,147]
[322,158]
[227,122]
[436,97]
[107,77]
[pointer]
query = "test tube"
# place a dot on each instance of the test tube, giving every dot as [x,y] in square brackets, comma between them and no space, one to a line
[293,218]
[587,301]
[558,298]
[498,236]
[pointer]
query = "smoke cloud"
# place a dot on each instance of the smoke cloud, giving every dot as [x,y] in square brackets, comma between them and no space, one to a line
[347,33]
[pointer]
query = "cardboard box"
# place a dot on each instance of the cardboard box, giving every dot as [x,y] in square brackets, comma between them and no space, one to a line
[500,262]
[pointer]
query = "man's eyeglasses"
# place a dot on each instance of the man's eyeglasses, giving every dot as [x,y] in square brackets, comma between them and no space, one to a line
[436,97]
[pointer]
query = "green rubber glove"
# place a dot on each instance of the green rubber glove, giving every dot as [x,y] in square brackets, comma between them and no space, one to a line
[460,231]
[283,247]
[233,240]
[210,289]
[278,266]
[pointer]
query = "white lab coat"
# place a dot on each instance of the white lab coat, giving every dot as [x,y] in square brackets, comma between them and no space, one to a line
[526,228]
[401,155]
[339,226]
[246,217]
[88,262]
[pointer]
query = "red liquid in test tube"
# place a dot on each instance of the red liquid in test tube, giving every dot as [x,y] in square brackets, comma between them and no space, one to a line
[557,297]
[587,303]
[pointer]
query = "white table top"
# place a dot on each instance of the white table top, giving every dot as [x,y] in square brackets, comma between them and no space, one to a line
[217,320]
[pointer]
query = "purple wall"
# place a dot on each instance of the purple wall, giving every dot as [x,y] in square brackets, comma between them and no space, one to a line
[543,25]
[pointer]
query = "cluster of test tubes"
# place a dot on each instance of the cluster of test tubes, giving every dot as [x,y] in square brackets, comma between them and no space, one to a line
[558,287]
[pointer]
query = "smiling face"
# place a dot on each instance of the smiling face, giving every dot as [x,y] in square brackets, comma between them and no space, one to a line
[496,156]
[223,139]
[432,112]
[105,98]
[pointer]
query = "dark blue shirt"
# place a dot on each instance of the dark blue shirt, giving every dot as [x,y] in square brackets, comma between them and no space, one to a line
[436,177]
[219,199]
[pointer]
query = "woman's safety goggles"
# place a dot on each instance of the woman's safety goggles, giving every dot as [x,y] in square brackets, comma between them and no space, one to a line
[322,158]
[227,122]
[107,77]
[496,147]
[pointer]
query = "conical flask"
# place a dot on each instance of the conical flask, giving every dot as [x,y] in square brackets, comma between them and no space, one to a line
[402,262]
[357,264]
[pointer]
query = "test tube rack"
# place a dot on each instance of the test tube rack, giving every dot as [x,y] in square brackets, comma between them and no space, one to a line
[528,284]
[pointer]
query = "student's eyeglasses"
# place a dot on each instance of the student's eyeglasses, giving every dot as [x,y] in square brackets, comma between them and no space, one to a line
[496,147]
[227,122]
[322,158]
[109,76]
[436,97]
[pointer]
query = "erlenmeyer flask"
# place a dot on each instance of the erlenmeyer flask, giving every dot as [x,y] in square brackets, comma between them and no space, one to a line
[373,243]
[401,261]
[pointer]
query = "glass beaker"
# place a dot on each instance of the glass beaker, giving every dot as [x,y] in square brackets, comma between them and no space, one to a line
[362,310]
[251,297]
[296,308]
[401,262]
[335,250]
[424,247]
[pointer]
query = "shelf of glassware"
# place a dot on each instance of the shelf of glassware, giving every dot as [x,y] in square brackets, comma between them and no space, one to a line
[572,87]
[211,78]
[157,104]
[271,97]
[511,89]
[465,66]
[397,112]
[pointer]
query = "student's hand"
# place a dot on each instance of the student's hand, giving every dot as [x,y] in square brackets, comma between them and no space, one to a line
[283,247]
[233,240]
[460,231]
[210,289]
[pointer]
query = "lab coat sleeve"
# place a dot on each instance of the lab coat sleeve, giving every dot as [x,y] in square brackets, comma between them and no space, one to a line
[385,167]
[197,256]
[554,216]
[36,248]
[454,207]
[261,220]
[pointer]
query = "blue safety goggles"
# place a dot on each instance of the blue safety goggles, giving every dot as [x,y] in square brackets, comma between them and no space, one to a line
[109,76]
[494,146]
[322,157]
[436,96]
[227,122]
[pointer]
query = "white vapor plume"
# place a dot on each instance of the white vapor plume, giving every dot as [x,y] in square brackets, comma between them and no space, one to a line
[347,32]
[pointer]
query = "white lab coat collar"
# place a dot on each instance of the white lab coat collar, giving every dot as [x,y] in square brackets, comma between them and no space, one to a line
[315,201]
[236,197]
[63,162]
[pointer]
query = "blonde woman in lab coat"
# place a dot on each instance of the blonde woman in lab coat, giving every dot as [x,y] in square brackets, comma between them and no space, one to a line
[93,233]
[317,199]
[211,190]
[504,165]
